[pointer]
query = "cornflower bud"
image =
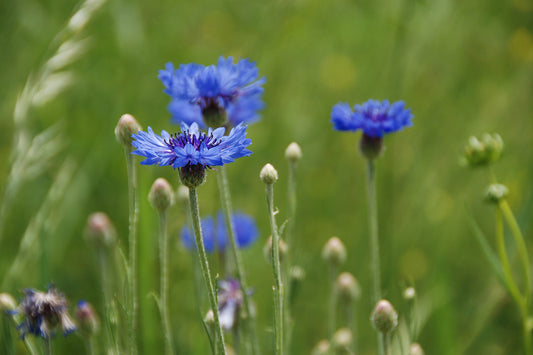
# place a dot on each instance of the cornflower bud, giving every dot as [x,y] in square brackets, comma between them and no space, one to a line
[409,293]
[100,231]
[87,320]
[347,287]
[293,153]
[416,349]
[496,192]
[182,195]
[334,252]
[384,317]
[342,340]
[161,195]
[267,249]
[485,151]
[127,125]
[269,174]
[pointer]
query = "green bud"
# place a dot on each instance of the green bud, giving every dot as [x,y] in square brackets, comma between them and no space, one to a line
[161,195]
[347,287]
[269,174]
[297,273]
[99,231]
[192,176]
[384,317]
[334,252]
[409,293]
[371,147]
[496,192]
[127,125]
[480,152]
[182,195]
[293,153]
[7,302]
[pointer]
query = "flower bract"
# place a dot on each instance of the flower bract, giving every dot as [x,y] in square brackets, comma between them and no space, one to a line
[373,117]
[231,90]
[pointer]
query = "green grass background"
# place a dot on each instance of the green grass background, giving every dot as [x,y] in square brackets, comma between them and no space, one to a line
[463,67]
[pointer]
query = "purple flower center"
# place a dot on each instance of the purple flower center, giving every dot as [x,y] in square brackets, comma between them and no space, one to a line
[184,138]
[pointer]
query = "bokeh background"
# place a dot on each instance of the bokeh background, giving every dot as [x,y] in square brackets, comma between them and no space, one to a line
[463,67]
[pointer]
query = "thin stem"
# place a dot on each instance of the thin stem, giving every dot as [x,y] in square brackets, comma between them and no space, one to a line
[291,193]
[132,240]
[163,259]
[386,341]
[90,346]
[47,342]
[204,265]
[349,311]
[373,223]
[332,302]
[276,267]
[250,342]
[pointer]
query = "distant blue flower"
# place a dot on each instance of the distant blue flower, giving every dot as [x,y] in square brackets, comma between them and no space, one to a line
[225,89]
[374,118]
[192,147]
[246,232]
[42,312]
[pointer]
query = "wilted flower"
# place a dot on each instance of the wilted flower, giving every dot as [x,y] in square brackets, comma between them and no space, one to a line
[229,302]
[215,94]
[216,236]
[192,151]
[43,312]
[373,117]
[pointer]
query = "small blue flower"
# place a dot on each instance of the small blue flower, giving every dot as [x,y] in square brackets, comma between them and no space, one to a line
[231,89]
[229,302]
[192,147]
[43,312]
[246,232]
[374,118]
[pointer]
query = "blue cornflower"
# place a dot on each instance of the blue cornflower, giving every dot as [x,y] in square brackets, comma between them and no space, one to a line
[374,118]
[43,312]
[214,94]
[246,232]
[229,302]
[192,150]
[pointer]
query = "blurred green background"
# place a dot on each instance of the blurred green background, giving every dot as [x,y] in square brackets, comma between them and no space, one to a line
[463,67]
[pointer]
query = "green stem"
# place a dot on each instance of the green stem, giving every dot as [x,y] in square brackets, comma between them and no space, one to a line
[251,343]
[290,250]
[163,259]
[332,303]
[386,341]
[373,223]
[47,342]
[204,265]
[132,240]
[90,346]
[276,267]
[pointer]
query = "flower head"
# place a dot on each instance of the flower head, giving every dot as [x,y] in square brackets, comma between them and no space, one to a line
[216,236]
[213,94]
[374,118]
[229,302]
[192,150]
[43,312]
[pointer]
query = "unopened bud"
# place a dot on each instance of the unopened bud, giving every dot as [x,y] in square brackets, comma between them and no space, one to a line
[192,176]
[334,252]
[347,287]
[182,195]
[100,231]
[322,348]
[267,249]
[297,273]
[342,341]
[269,174]
[483,151]
[7,302]
[209,318]
[127,125]
[87,320]
[384,317]
[409,293]
[496,192]
[416,349]
[161,195]
[293,153]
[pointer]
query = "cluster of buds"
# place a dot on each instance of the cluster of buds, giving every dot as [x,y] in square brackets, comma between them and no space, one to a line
[488,149]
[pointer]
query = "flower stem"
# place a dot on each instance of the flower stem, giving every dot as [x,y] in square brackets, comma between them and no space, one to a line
[332,303]
[386,340]
[276,267]
[373,223]
[132,240]
[47,342]
[163,259]
[204,265]
[251,342]
[290,250]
